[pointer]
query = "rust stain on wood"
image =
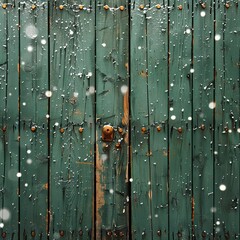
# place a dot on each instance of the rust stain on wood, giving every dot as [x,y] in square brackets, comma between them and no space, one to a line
[128,160]
[127,66]
[165,153]
[77,112]
[47,221]
[126,138]
[150,194]
[144,73]
[125,118]
[85,163]
[193,203]
[93,217]
[99,193]
[149,153]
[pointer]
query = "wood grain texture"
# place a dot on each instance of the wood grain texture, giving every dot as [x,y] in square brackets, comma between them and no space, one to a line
[203,122]
[227,51]
[112,109]
[157,53]
[33,106]
[141,190]
[72,119]
[9,116]
[163,76]
[180,124]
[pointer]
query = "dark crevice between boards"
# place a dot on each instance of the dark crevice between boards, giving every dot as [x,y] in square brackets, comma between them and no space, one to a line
[129,125]
[168,113]
[148,122]
[192,113]
[19,116]
[49,125]
[95,129]
[239,124]
[214,113]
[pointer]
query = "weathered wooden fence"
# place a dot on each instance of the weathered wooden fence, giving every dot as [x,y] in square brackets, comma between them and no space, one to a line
[119,120]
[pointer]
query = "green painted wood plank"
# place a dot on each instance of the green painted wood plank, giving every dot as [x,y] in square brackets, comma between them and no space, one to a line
[227,120]
[3,34]
[180,125]
[141,192]
[112,109]
[33,121]
[9,122]
[157,40]
[72,120]
[3,87]
[203,73]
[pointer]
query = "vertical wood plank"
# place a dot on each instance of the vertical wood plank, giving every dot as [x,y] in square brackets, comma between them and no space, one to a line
[3,97]
[9,121]
[180,124]
[203,73]
[3,86]
[33,106]
[72,119]
[227,50]
[112,111]
[141,192]
[3,34]
[157,51]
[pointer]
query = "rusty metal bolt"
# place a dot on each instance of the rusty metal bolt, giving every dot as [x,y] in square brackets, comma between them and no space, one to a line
[159,233]
[107,130]
[61,233]
[80,232]
[4,128]
[61,7]
[33,128]
[81,129]
[118,145]
[120,130]
[4,234]
[202,127]
[106,7]
[4,5]
[109,233]
[107,133]
[180,7]
[159,128]
[143,129]
[158,6]
[33,233]
[81,7]
[121,8]
[226,129]
[141,7]
[62,130]
[121,234]
[203,5]
[180,130]
[227,5]
[34,7]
